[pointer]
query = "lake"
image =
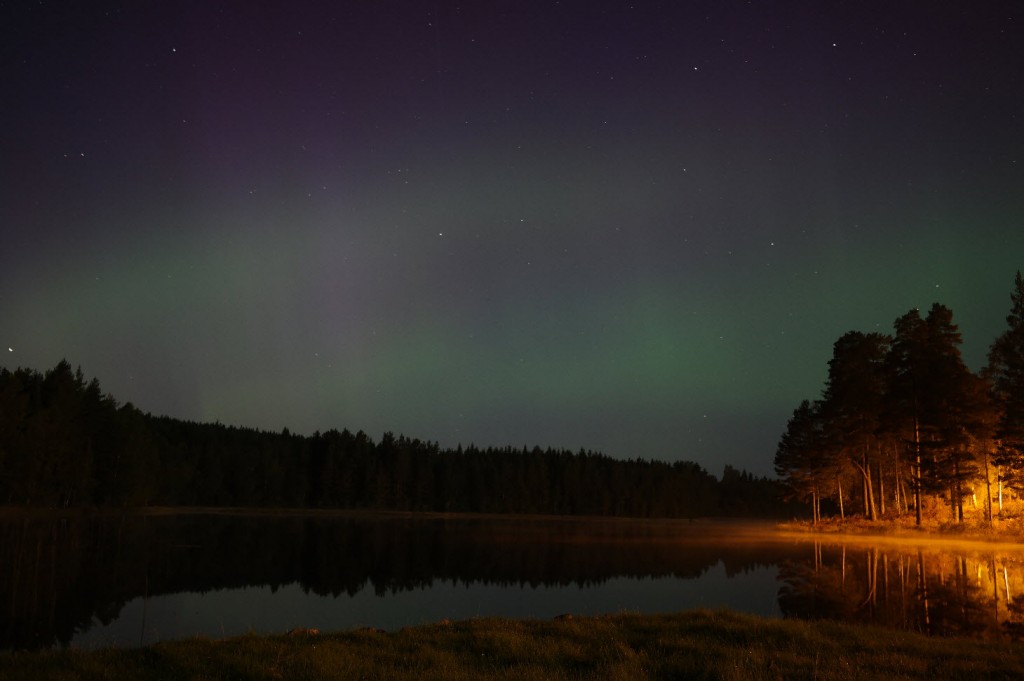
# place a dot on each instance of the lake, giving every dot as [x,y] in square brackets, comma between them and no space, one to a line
[138,579]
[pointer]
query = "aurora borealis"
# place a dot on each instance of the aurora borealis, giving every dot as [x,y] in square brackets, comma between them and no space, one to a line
[634,227]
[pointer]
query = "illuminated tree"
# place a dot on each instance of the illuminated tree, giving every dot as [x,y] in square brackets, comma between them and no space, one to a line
[983,442]
[853,405]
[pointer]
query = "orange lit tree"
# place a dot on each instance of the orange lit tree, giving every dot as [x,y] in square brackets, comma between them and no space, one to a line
[905,412]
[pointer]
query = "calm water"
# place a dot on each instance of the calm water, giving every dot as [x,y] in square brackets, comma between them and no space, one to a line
[136,580]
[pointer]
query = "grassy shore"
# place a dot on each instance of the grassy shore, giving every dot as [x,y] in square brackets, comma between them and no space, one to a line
[692,645]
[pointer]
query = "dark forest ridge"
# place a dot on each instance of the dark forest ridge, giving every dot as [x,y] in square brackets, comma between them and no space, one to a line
[64,443]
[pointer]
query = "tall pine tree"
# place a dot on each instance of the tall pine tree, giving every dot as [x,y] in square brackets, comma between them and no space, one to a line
[801,459]
[1006,368]
[906,392]
[853,405]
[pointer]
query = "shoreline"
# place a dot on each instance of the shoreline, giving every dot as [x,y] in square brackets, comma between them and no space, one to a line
[257,511]
[852,530]
[857,530]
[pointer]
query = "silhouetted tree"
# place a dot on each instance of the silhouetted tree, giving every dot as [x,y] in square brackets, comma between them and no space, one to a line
[1006,368]
[952,414]
[905,396]
[801,460]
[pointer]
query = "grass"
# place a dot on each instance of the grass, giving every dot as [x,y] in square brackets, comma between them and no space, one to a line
[698,644]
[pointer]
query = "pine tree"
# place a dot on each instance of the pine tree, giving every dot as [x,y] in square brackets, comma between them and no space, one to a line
[853,404]
[905,395]
[951,411]
[1006,368]
[800,459]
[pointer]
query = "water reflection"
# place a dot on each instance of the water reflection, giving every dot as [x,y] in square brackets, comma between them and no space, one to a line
[964,591]
[136,579]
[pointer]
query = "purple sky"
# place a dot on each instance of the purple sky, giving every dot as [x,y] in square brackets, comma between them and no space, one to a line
[634,227]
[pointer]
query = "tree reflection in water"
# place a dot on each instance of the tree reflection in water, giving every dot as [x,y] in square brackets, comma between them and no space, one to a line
[963,591]
[62,576]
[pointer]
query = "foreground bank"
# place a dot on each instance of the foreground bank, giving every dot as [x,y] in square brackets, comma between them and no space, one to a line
[695,644]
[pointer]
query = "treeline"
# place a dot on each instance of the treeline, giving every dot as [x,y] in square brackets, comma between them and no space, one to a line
[903,425]
[63,443]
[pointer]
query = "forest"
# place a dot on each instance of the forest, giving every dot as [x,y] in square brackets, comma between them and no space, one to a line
[66,444]
[903,426]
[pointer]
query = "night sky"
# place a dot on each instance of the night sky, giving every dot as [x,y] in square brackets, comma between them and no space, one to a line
[633,227]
